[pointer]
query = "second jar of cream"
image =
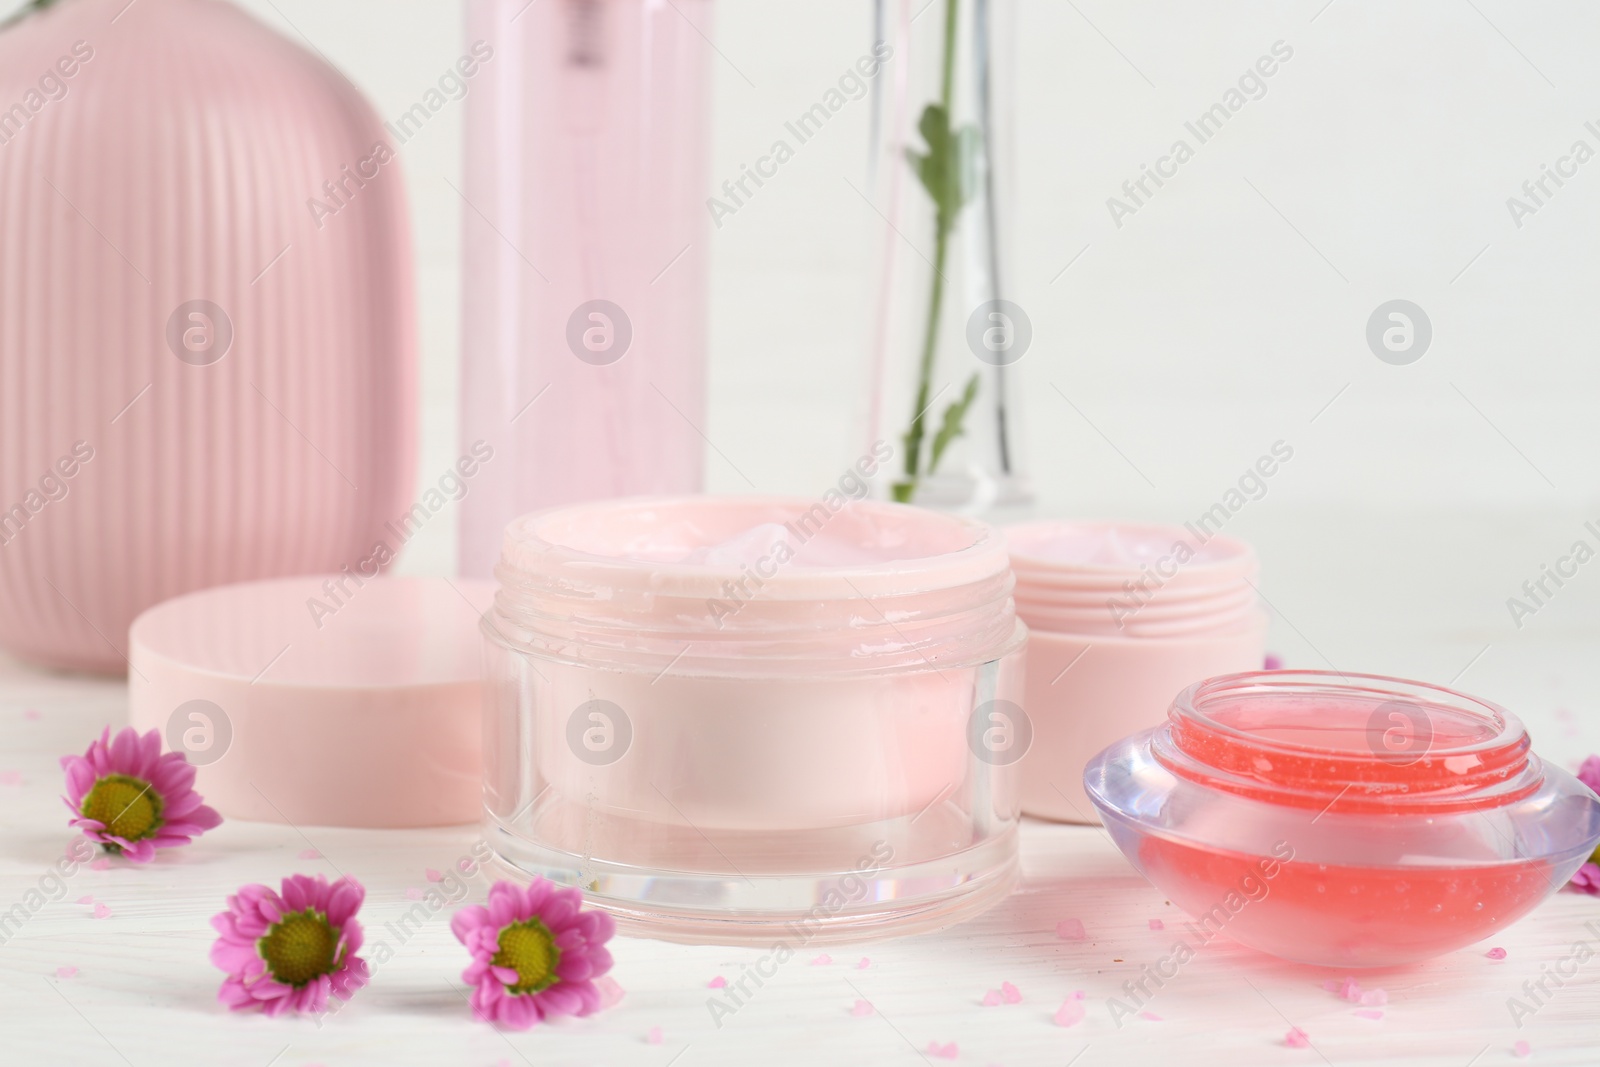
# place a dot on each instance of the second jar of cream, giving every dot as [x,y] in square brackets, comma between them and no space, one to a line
[1121,617]
[740,719]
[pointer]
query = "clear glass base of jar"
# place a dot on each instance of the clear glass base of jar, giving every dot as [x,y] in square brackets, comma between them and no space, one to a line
[837,763]
[776,890]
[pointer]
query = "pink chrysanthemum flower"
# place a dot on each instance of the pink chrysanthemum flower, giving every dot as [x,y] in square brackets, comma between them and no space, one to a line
[1588,877]
[1589,773]
[133,799]
[1587,880]
[535,954]
[288,951]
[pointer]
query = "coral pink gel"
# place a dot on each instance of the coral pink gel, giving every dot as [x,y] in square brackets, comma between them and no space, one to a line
[1345,820]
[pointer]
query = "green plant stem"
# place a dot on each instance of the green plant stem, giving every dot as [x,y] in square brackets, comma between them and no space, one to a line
[24,11]
[906,490]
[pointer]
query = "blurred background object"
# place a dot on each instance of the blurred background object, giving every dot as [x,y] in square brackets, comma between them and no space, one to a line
[584,256]
[208,351]
[1171,346]
[946,337]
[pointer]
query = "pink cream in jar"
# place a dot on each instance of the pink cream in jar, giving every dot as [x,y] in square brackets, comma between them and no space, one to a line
[728,717]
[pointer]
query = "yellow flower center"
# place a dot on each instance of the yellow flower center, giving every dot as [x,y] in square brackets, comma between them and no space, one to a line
[299,947]
[529,949]
[126,807]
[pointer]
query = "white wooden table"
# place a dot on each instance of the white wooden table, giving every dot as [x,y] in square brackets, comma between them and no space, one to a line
[144,992]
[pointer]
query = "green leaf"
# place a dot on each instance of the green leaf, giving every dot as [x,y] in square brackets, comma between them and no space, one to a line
[948,169]
[951,427]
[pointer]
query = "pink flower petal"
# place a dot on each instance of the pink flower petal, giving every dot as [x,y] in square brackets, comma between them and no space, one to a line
[80,779]
[1369,1013]
[101,864]
[1586,880]
[1157,924]
[945,1052]
[1071,930]
[342,900]
[102,912]
[1011,993]
[861,1009]
[1351,991]
[1589,773]
[413,893]
[1296,1038]
[503,907]
[718,982]
[68,971]
[125,749]
[149,752]
[1496,954]
[1522,1050]
[1070,1013]
[822,960]
[863,963]
[610,992]
[87,898]
[432,875]
[1372,997]
[1152,1016]
[310,854]
[10,777]
[991,998]
[654,1036]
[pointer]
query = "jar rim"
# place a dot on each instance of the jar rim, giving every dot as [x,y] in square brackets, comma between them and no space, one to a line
[1457,751]
[1022,542]
[971,549]
[1192,702]
[585,582]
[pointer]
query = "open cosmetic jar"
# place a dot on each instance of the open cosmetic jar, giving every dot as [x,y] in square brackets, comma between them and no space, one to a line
[1343,820]
[741,719]
[1121,617]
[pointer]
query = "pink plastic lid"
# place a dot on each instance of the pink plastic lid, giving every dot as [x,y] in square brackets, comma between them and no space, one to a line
[1131,579]
[323,701]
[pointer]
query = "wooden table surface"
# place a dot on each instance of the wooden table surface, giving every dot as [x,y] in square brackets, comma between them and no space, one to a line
[143,991]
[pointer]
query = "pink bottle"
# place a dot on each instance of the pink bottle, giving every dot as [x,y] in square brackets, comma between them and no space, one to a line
[207,341]
[585,253]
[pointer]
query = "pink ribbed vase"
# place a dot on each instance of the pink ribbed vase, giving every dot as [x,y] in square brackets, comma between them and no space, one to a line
[205,377]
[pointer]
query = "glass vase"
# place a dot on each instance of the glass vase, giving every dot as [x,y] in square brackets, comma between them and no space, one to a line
[946,336]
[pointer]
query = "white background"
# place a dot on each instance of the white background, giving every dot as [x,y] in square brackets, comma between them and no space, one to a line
[1227,314]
